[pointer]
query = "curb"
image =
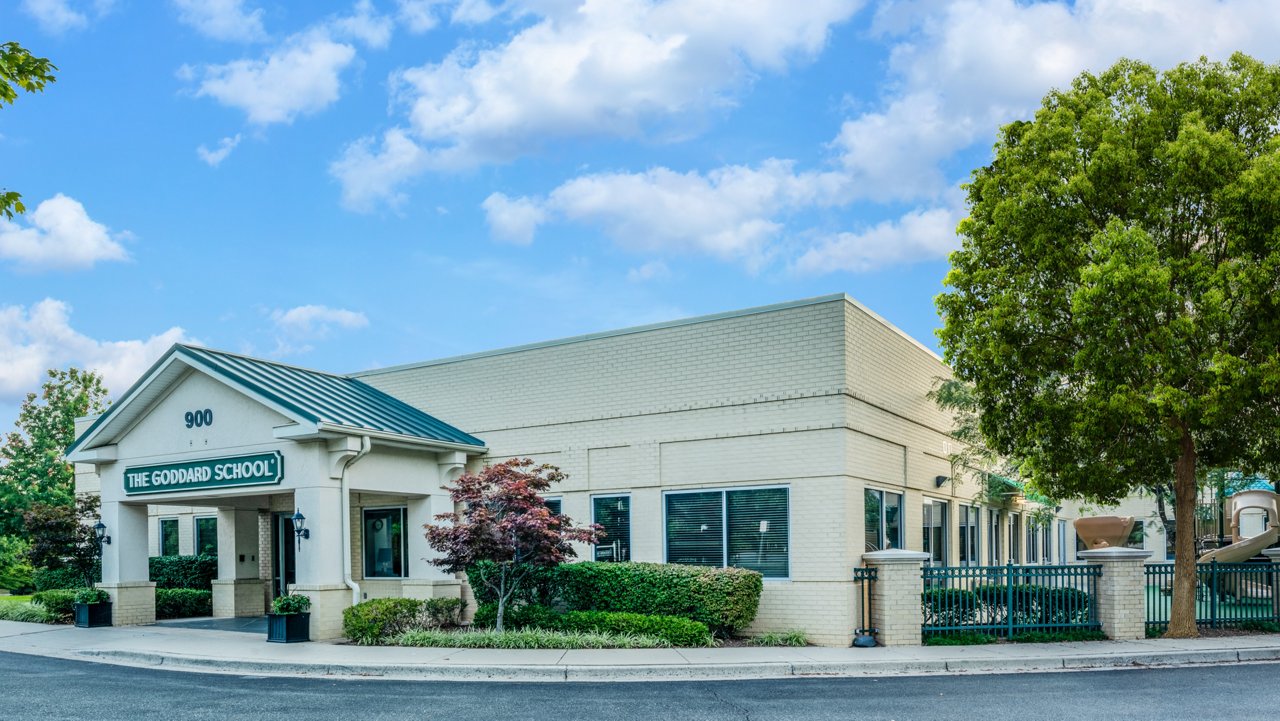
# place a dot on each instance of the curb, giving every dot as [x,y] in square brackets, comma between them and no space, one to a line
[678,672]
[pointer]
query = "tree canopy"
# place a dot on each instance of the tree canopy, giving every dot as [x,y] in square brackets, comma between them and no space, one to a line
[33,467]
[20,70]
[1116,299]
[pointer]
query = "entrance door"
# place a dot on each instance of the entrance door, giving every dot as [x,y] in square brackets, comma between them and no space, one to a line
[284,570]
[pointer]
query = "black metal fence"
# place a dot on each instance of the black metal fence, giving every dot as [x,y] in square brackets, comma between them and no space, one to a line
[1227,594]
[864,577]
[1007,600]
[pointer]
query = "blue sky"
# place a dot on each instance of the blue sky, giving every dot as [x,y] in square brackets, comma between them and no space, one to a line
[345,185]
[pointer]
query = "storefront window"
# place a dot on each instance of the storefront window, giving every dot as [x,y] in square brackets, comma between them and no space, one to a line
[747,528]
[385,545]
[207,536]
[613,513]
[883,518]
[969,555]
[935,532]
[168,536]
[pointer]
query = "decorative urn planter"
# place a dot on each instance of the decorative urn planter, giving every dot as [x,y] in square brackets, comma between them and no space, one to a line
[1104,531]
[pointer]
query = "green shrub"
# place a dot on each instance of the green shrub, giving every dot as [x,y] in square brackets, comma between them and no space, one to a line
[1155,632]
[290,604]
[59,602]
[949,606]
[780,638]
[1260,626]
[443,612]
[529,615]
[183,603]
[541,585]
[528,638]
[674,630]
[371,622]
[1058,636]
[724,599]
[91,595]
[195,572]
[52,579]
[958,639]
[16,573]
[1034,604]
[26,612]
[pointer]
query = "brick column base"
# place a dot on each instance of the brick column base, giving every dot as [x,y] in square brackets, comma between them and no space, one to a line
[1122,593]
[327,604]
[240,597]
[133,603]
[895,596]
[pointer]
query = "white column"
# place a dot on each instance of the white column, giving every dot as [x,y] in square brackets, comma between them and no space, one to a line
[319,557]
[125,558]
[427,580]
[237,590]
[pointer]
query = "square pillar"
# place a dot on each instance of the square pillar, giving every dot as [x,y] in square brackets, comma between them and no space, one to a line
[320,559]
[1122,593]
[237,591]
[425,579]
[895,595]
[125,569]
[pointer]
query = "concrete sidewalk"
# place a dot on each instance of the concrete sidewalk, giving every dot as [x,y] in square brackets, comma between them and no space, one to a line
[186,649]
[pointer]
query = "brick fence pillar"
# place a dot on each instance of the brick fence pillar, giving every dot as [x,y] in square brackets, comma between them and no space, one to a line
[895,595]
[1122,591]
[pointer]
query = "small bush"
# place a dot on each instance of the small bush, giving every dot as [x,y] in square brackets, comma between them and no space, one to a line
[183,603]
[528,638]
[959,639]
[52,579]
[59,602]
[371,622]
[672,629]
[1259,626]
[443,612]
[541,587]
[195,572]
[26,612]
[290,604]
[92,595]
[949,606]
[780,638]
[529,615]
[724,599]
[1155,632]
[1058,636]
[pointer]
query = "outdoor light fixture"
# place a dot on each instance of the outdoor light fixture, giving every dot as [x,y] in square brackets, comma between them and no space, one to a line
[100,534]
[938,481]
[299,527]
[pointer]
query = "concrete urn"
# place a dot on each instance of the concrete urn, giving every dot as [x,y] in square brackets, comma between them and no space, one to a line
[1104,531]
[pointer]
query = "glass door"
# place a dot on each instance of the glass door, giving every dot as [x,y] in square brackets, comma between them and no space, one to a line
[935,532]
[284,572]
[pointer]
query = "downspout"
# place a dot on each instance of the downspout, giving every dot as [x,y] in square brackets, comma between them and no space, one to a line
[365,446]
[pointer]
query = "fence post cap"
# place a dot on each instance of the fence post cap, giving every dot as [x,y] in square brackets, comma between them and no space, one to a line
[895,555]
[1272,553]
[1115,553]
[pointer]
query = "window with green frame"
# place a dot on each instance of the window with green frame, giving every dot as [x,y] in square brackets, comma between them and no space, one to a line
[746,528]
[206,531]
[385,543]
[613,513]
[168,536]
[554,505]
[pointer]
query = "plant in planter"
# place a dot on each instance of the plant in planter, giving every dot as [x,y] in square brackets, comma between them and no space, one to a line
[289,620]
[92,608]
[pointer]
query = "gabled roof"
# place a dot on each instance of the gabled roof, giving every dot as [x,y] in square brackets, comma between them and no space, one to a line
[320,402]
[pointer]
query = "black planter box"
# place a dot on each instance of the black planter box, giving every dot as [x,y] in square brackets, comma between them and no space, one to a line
[288,627]
[93,615]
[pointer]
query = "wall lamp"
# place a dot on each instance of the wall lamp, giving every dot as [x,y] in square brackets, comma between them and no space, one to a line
[939,481]
[299,527]
[100,534]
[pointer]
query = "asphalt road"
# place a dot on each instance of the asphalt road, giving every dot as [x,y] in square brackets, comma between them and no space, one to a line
[34,687]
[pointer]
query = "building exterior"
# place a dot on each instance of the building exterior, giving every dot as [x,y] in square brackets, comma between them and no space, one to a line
[789,439]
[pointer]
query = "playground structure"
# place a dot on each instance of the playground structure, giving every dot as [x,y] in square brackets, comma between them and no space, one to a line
[1242,547]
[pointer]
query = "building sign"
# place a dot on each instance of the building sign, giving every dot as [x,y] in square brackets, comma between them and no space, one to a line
[258,469]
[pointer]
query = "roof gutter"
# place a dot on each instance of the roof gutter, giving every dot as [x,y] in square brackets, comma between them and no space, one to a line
[366,445]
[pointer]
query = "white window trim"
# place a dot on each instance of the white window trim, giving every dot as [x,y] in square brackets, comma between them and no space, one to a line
[404,571]
[724,523]
[902,512]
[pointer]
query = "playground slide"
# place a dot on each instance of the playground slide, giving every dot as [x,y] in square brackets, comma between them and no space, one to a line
[1244,550]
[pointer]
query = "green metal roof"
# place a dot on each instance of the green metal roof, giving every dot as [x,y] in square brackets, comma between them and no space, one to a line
[312,396]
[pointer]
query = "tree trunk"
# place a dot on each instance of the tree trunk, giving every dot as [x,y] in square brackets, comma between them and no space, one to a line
[502,600]
[1182,617]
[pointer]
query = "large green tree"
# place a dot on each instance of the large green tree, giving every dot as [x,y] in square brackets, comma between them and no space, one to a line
[1116,300]
[33,467]
[19,70]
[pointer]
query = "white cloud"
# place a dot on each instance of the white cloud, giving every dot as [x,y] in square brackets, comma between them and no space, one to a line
[225,20]
[60,235]
[596,68]
[370,173]
[35,339]
[513,220]
[417,15]
[653,270]
[919,235]
[215,157]
[364,24]
[473,12]
[298,326]
[299,77]
[56,17]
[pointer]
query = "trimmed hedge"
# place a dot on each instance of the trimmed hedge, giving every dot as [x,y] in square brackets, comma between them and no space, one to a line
[183,603]
[53,579]
[195,572]
[59,602]
[949,606]
[529,615]
[672,629]
[725,599]
[541,586]
[369,622]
